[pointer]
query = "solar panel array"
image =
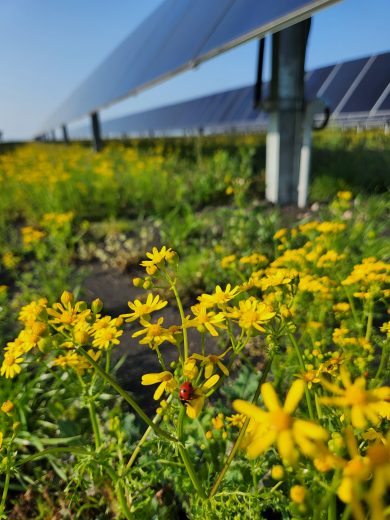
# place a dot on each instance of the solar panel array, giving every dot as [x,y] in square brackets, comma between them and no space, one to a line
[178,35]
[356,91]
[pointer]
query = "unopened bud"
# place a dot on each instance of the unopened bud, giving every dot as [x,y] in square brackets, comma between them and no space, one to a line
[45,344]
[66,298]
[97,305]
[137,282]
[81,337]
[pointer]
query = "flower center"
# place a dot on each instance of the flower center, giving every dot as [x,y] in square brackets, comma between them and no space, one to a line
[280,420]
[356,396]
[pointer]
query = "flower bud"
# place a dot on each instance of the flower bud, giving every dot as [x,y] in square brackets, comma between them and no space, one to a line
[81,337]
[277,472]
[97,305]
[137,282]
[297,494]
[148,284]
[7,406]
[66,298]
[45,344]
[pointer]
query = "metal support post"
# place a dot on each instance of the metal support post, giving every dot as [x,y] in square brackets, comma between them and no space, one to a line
[286,113]
[65,135]
[97,142]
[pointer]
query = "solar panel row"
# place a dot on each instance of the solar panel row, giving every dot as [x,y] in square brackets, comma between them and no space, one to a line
[178,35]
[357,89]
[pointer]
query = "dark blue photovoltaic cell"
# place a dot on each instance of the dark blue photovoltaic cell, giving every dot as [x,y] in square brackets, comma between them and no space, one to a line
[341,82]
[235,107]
[386,103]
[248,16]
[369,89]
[315,81]
[177,35]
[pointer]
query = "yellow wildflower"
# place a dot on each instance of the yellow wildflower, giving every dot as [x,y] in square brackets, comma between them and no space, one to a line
[11,365]
[206,320]
[107,337]
[278,426]
[7,406]
[365,405]
[155,334]
[156,258]
[251,314]
[227,261]
[30,313]
[211,361]
[297,494]
[166,382]
[219,297]
[144,309]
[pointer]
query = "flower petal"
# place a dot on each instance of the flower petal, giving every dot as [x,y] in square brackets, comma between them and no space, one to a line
[260,444]
[294,396]
[250,410]
[270,398]
[286,447]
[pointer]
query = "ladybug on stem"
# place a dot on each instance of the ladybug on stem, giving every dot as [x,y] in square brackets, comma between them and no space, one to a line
[186,391]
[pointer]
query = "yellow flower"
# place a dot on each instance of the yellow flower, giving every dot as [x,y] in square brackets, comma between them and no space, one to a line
[29,313]
[195,404]
[278,426]
[365,405]
[190,370]
[236,419]
[65,314]
[155,334]
[156,257]
[251,314]
[206,320]
[227,261]
[297,494]
[379,456]
[11,365]
[107,337]
[220,297]
[7,406]
[210,362]
[144,309]
[277,472]
[166,380]
[218,422]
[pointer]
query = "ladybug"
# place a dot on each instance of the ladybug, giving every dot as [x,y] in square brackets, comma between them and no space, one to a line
[186,391]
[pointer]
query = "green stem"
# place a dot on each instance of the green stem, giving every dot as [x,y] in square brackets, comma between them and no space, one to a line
[185,458]
[127,397]
[182,318]
[95,423]
[157,418]
[123,500]
[53,451]
[6,485]
[237,444]
[303,368]
[160,359]
[383,360]
[370,320]
[353,310]
[332,511]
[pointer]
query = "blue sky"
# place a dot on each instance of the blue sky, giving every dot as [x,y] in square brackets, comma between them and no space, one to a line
[48,47]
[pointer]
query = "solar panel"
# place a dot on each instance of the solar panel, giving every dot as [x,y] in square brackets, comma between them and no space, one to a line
[342,80]
[178,35]
[315,80]
[385,104]
[371,86]
[234,108]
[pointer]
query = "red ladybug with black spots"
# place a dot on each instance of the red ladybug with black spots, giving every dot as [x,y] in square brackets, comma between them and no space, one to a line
[186,391]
